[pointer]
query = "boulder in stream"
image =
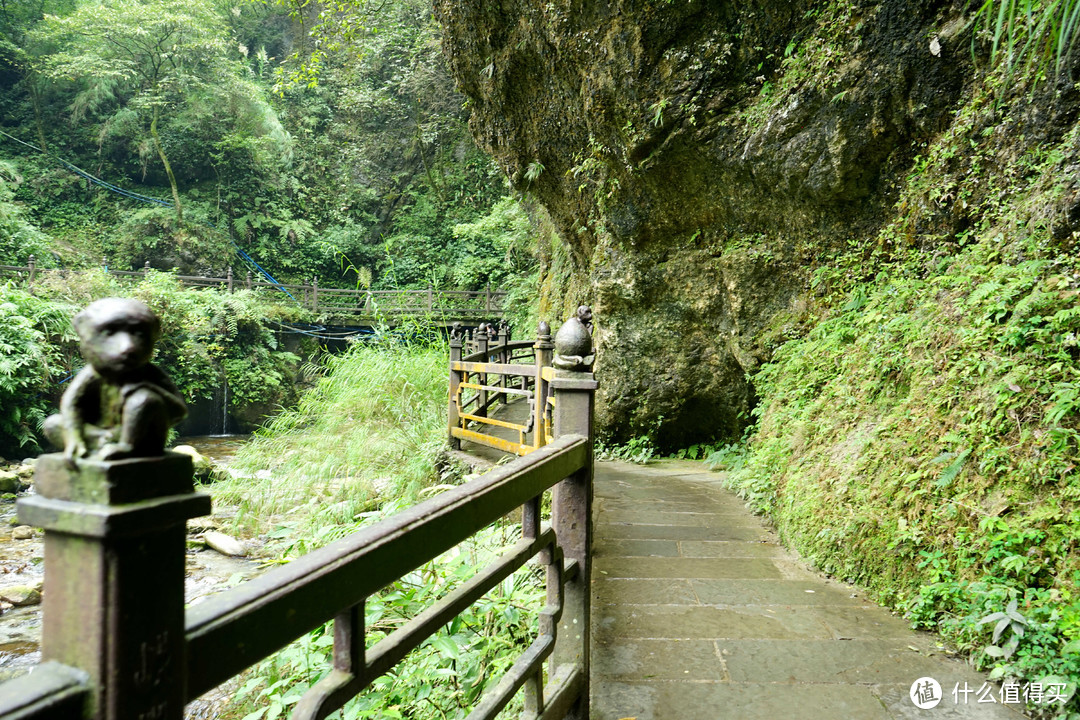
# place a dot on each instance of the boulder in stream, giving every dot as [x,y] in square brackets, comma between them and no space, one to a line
[223,543]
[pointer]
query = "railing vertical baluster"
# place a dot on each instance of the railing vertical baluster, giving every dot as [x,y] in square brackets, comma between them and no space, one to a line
[487,298]
[534,695]
[456,339]
[502,339]
[530,518]
[349,640]
[482,347]
[315,294]
[542,351]
[430,299]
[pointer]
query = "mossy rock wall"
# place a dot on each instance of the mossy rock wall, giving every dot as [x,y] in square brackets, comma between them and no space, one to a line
[699,160]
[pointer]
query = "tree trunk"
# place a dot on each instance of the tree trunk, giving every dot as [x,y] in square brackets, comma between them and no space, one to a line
[35,101]
[168,167]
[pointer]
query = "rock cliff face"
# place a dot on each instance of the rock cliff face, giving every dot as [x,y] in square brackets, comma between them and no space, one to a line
[699,160]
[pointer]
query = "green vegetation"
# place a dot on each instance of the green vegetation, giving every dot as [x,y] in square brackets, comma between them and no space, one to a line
[447,674]
[323,143]
[366,441]
[1028,36]
[922,437]
[32,333]
[19,239]
[373,428]
[210,339]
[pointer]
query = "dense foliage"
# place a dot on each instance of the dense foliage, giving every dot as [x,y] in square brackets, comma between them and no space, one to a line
[35,342]
[332,147]
[210,340]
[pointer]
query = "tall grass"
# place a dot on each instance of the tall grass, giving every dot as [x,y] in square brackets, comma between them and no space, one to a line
[373,428]
[1028,35]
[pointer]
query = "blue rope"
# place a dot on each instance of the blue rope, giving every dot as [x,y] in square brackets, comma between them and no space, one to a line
[147,199]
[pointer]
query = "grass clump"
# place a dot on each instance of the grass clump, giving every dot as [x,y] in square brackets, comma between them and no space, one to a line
[372,428]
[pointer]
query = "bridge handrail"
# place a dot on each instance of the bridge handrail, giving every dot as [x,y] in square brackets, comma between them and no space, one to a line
[492,374]
[484,355]
[353,301]
[51,691]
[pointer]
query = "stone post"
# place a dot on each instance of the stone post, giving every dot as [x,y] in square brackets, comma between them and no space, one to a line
[456,341]
[114,576]
[571,517]
[542,353]
[229,279]
[501,339]
[32,263]
[146,269]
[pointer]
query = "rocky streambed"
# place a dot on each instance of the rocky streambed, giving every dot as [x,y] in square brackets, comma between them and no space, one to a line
[215,562]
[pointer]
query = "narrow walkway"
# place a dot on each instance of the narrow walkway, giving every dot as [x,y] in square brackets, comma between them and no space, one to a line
[699,614]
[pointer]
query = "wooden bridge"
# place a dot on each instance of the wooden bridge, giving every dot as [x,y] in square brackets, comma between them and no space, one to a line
[665,598]
[356,306]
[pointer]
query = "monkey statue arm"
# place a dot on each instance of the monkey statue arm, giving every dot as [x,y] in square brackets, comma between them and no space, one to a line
[68,427]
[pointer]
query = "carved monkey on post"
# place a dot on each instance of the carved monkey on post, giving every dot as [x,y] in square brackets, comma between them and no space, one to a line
[119,405]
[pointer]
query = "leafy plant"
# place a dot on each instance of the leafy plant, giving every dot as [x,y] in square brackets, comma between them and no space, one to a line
[35,348]
[1008,623]
[534,170]
[442,678]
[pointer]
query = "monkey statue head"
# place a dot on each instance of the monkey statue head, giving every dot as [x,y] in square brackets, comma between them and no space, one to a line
[117,336]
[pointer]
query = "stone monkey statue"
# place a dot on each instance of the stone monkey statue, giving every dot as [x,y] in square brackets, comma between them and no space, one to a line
[120,405]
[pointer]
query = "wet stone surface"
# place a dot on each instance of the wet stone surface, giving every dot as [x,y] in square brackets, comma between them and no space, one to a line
[699,613]
[22,565]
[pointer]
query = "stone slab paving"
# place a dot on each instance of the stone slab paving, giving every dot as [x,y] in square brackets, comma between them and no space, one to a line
[699,614]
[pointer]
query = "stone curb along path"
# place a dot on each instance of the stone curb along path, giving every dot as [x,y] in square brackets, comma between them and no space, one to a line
[699,614]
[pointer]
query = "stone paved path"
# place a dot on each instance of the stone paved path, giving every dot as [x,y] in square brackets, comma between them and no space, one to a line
[698,613]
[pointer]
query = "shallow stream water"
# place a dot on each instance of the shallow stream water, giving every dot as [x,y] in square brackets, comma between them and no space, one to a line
[21,563]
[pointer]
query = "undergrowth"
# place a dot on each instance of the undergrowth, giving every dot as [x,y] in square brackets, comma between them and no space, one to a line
[447,674]
[372,429]
[367,441]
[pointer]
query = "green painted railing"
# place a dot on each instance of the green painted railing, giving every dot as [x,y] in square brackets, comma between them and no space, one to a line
[450,304]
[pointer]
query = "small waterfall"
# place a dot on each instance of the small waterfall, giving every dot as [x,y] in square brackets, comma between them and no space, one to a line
[224,406]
